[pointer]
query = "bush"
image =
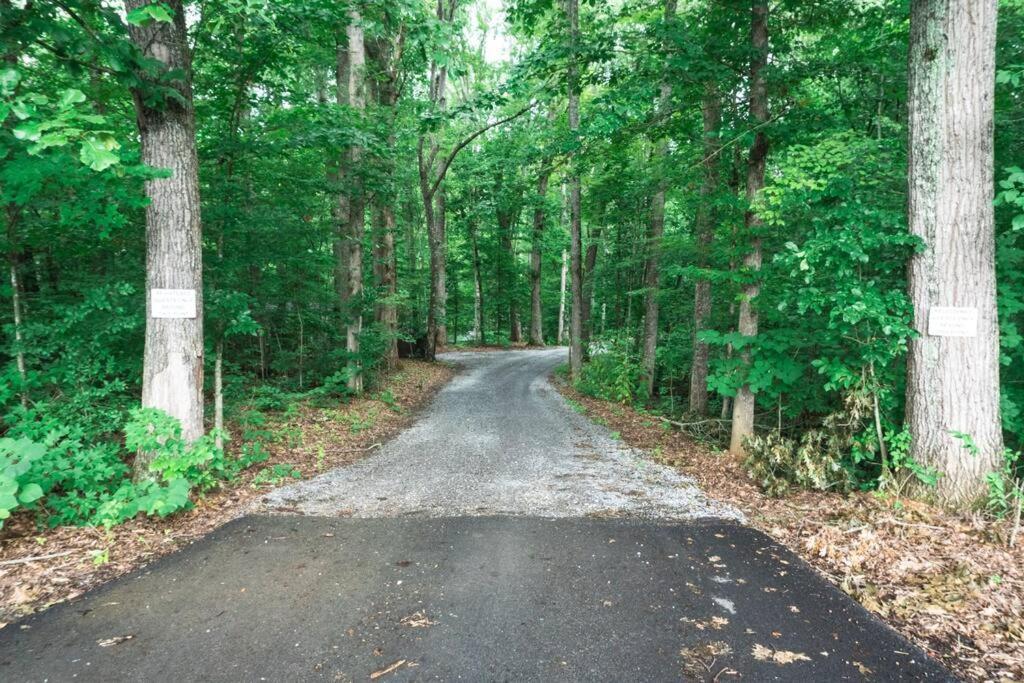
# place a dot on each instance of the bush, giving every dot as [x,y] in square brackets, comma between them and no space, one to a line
[68,481]
[613,373]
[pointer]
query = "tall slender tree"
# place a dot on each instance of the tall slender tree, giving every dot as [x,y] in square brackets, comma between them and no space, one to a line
[656,223]
[745,401]
[953,381]
[705,229]
[350,80]
[536,254]
[432,193]
[572,10]
[385,53]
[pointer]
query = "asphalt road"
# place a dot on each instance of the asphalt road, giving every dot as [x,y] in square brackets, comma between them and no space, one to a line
[424,590]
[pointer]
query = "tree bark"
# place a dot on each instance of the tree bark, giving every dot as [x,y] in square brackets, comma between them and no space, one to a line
[539,219]
[12,214]
[478,286]
[589,266]
[745,401]
[172,378]
[386,55]
[434,203]
[575,237]
[953,382]
[655,229]
[507,218]
[705,227]
[561,300]
[350,82]
[386,263]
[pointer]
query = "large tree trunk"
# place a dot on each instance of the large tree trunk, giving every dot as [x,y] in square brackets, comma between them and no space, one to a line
[953,381]
[705,229]
[575,237]
[655,230]
[539,219]
[386,55]
[434,203]
[507,218]
[351,68]
[386,264]
[744,404]
[172,375]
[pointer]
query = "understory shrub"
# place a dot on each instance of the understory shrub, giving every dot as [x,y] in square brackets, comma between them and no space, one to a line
[65,480]
[613,373]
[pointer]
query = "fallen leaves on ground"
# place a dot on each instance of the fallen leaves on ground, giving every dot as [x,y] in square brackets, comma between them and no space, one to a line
[767,654]
[945,581]
[327,440]
[417,620]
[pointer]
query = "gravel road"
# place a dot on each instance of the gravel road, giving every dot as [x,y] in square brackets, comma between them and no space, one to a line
[499,440]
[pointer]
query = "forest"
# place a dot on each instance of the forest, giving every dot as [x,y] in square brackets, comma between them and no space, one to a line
[213,209]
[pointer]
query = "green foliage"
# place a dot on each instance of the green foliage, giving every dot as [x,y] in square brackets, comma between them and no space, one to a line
[614,373]
[275,475]
[1005,486]
[16,487]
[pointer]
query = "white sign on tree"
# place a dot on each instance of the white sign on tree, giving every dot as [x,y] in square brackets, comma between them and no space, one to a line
[952,321]
[172,303]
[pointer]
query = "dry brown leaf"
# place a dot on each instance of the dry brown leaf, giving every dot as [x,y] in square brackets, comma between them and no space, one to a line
[767,654]
[417,620]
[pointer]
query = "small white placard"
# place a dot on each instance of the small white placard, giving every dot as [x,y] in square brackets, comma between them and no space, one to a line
[172,303]
[952,321]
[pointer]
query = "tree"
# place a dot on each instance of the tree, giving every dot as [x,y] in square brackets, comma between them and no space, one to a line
[350,80]
[953,381]
[575,209]
[745,401]
[432,193]
[536,253]
[705,228]
[386,53]
[173,357]
[656,228]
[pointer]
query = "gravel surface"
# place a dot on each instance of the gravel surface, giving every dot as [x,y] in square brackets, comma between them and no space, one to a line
[499,440]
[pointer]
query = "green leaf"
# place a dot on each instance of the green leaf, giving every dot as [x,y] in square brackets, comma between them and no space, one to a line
[98,152]
[7,502]
[143,15]
[28,131]
[29,493]
[72,97]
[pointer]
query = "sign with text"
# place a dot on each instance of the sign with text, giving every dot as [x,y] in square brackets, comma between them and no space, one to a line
[172,303]
[952,321]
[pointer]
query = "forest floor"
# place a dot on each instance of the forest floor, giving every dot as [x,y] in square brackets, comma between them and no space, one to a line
[41,567]
[946,582]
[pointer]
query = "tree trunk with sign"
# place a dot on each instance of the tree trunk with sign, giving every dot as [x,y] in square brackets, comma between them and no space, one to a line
[172,373]
[953,381]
